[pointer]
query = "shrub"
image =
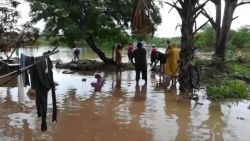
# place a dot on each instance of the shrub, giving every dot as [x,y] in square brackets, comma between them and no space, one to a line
[240,69]
[228,89]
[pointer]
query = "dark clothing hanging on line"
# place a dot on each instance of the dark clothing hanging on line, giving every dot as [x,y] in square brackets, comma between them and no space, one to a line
[42,81]
[24,62]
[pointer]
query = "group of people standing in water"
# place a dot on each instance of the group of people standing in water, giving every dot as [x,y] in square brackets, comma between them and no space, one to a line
[138,57]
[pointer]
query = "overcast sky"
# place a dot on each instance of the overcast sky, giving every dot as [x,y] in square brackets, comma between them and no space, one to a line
[169,20]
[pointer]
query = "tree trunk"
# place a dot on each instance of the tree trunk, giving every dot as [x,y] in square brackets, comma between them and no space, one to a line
[187,42]
[92,44]
[220,48]
[217,24]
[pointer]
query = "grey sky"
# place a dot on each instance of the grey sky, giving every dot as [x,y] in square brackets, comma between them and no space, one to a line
[169,20]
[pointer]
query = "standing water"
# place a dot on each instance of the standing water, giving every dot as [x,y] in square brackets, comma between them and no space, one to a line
[121,111]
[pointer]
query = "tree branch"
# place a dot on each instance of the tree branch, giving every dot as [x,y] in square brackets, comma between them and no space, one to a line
[241,3]
[175,6]
[200,27]
[181,3]
[211,20]
[196,38]
[178,25]
[201,6]
[196,15]
[195,25]
[172,6]
[214,1]
[235,18]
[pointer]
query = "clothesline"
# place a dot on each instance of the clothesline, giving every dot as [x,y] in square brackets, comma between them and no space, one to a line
[17,72]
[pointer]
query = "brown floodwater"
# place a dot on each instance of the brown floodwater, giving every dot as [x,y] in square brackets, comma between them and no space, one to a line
[122,111]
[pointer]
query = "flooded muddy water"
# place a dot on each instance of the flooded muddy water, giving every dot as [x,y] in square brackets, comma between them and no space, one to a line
[122,111]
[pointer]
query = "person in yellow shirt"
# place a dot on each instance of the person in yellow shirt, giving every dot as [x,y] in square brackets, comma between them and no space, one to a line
[171,65]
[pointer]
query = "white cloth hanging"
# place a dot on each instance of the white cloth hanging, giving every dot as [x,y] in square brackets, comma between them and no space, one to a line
[21,97]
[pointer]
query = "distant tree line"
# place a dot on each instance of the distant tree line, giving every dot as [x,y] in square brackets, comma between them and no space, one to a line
[103,23]
[239,38]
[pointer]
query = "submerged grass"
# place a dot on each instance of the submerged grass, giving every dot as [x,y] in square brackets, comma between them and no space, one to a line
[231,82]
[228,88]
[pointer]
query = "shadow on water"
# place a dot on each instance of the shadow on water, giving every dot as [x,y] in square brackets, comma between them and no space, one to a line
[122,111]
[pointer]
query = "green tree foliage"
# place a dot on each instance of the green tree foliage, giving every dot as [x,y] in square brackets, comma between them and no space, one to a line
[77,19]
[8,15]
[241,38]
[90,20]
[236,38]
[205,38]
[162,42]
[80,18]
[12,35]
[8,20]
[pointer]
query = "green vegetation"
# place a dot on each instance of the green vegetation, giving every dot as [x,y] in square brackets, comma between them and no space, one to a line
[236,39]
[8,16]
[162,42]
[205,38]
[228,88]
[102,24]
[108,44]
[241,38]
[241,69]
[230,82]
[96,22]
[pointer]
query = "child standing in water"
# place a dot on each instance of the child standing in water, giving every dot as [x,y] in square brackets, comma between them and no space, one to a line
[118,57]
[153,55]
[98,84]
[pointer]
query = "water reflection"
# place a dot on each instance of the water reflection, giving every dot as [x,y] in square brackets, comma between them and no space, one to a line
[27,133]
[16,120]
[153,79]
[118,81]
[215,122]
[9,103]
[121,110]
[179,106]
[156,82]
[72,100]
[130,78]
[117,89]
[138,106]
[103,117]
[140,92]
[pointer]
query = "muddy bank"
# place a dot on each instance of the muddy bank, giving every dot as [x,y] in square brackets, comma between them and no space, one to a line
[91,65]
[232,69]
